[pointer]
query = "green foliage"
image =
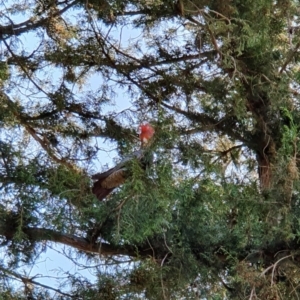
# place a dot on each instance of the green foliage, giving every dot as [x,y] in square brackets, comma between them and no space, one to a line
[216,214]
[289,133]
[4,74]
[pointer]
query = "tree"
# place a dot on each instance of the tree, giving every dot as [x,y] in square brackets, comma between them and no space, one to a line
[217,215]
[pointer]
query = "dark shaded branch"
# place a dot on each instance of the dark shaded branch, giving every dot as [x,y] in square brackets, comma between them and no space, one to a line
[145,62]
[17,29]
[42,115]
[45,144]
[79,243]
[230,149]
[9,227]
[224,125]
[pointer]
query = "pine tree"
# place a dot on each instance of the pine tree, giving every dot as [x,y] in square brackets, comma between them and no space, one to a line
[217,214]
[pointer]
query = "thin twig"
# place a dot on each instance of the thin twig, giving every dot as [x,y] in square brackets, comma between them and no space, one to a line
[252,294]
[274,267]
[161,278]
[27,280]
[289,57]
[153,252]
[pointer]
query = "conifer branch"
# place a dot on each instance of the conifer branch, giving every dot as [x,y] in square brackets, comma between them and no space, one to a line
[28,25]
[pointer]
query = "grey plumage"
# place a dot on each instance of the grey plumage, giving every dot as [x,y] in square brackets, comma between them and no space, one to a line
[114,177]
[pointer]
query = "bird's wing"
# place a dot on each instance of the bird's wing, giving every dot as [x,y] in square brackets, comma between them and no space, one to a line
[112,178]
[137,154]
[99,191]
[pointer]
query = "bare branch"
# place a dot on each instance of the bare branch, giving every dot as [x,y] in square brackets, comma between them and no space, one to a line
[79,243]
[27,280]
[289,57]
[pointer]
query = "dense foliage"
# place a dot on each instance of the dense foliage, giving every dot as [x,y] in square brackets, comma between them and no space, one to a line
[217,214]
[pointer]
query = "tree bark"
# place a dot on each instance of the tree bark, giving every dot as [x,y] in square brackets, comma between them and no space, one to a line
[37,234]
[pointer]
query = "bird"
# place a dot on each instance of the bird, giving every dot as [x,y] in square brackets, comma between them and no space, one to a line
[107,181]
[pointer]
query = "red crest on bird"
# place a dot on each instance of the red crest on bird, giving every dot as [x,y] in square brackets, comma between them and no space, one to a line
[146,133]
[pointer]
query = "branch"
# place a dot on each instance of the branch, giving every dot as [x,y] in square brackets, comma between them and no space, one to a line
[207,123]
[27,280]
[79,243]
[17,59]
[44,143]
[289,58]
[9,227]
[37,234]
[144,62]
[17,29]
[223,153]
